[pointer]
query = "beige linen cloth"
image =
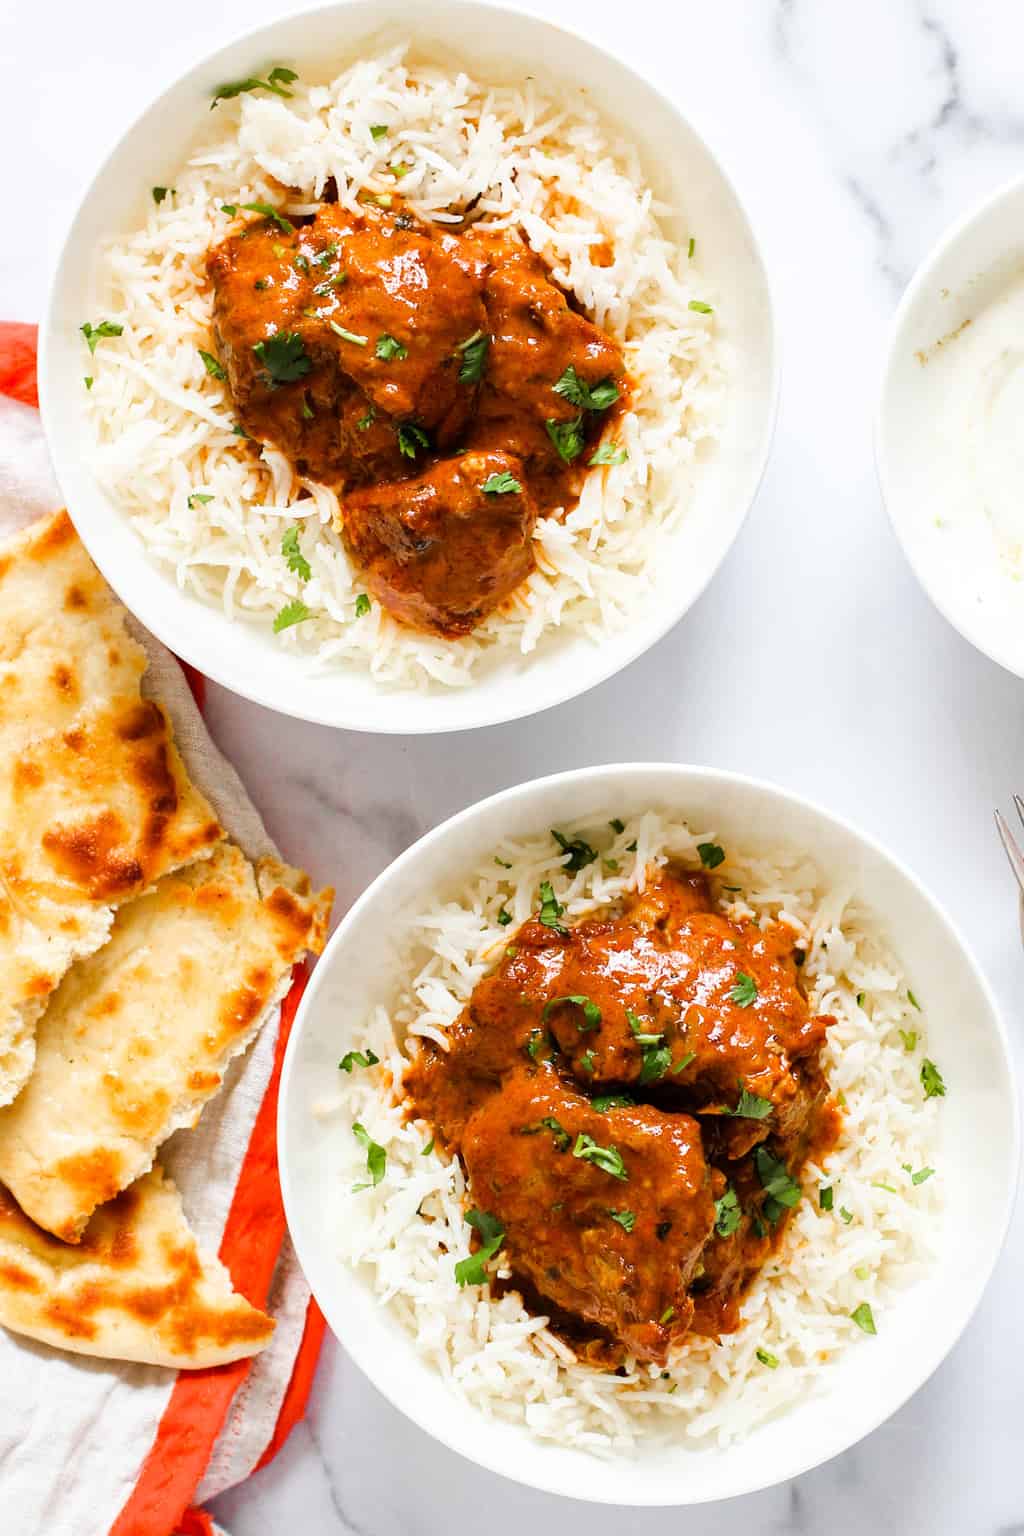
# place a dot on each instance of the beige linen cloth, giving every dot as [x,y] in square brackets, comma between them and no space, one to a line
[74,1432]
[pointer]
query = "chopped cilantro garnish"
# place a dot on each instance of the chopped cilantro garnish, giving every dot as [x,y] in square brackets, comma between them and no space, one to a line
[365,422]
[587,1061]
[591,1012]
[352,1059]
[864,1318]
[376,1156]
[330,282]
[198,499]
[428,1148]
[909,1038]
[502,484]
[745,990]
[549,1123]
[363,605]
[88,381]
[711,855]
[284,358]
[474,357]
[93,333]
[567,437]
[229,208]
[640,1035]
[411,439]
[294,612]
[551,908]
[607,453]
[159,193]
[782,1191]
[765,1355]
[389,350]
[378,130]
[589,398]
[212,365]
[728,1213]
[682,1065]
[913,1000]
[920,1176]
[845,1214]
[580,853]
[860,999]
[276,81]
[700,307]
[608,1159]
[296,560]
[691,248]
[504,917]
[625,1219]
[751,1106]
[471,1271]
[825,1196]
[931,1080]
[667,1316]
[352,336]
[270,212]
[616,825]
[502,863]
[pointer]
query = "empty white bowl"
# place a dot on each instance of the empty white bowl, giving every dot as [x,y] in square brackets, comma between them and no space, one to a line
[498,44]
[977,1157]
[937,462]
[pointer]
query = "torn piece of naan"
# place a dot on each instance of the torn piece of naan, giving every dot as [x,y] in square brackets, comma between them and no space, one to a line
[137,1037]
[95,803]
[137,1287]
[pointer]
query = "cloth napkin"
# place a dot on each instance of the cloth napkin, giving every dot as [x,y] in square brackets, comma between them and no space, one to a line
[89,1447]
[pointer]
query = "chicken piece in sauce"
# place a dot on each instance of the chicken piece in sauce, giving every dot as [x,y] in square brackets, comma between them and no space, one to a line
[371,349]
[583,1197]
[444,549]
[571,1032]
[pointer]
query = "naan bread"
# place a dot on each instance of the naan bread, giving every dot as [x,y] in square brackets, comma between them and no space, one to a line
[137,1037]
[137,1287]
[95,804]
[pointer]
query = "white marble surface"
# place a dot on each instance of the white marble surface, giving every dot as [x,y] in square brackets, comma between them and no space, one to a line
[856,133]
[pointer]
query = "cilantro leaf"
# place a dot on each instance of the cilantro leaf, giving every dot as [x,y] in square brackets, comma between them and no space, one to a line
[376,1156]
[352,336]
[765,1355]
[471,1271]
[608,1159]
[909,1038]
[362,605]
[549,1123]
[357,1059]
[700,307]
[294,612]
[271,213]
[625,1219]
[751,1106]
[609,1101]
[378,130]
[198,499]
[284,358]
[782,1192]
[567,437]
[607,453]
[551,908]
[93,333]
[577,391]
[411,439]
[502,484]
[428,1148]
[931,1080]
[389,350]
[617,825]
[474,357]
[711,855]
[728,1213]
[296,560]
[864,1318]
[586,1063]
[159,193]
[913,1000]
[591,1012]
[580,853]
[276,81]
[745,990]
[825,1197]
[212,365]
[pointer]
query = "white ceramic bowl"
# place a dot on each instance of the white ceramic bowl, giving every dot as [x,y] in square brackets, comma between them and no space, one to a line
[979,1170]
[500,45]
[921,437]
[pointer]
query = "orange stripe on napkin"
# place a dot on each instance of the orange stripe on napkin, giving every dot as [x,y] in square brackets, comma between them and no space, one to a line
[199,1400]
[18,362]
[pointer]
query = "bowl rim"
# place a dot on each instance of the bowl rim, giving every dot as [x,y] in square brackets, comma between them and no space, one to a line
[958,230]
[175,633]
[683,774]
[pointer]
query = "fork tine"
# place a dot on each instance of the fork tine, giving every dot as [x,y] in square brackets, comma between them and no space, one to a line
[1019,803]
[1013,853]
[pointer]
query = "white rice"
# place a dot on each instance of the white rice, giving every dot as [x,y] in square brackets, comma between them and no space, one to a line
[163,429]
[493,1352]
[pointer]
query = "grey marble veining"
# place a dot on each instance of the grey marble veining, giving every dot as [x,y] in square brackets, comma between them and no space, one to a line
[856,134]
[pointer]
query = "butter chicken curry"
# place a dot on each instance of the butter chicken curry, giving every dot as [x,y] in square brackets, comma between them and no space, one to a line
[437,378]
[633,1098]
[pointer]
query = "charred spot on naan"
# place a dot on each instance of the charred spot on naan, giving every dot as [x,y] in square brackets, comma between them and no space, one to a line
[95,1176]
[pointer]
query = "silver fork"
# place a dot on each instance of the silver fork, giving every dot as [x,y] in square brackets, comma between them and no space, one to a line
[1013,851]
